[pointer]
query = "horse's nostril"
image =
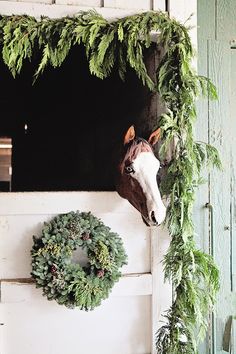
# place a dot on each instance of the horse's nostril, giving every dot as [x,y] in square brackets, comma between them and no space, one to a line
[153,217]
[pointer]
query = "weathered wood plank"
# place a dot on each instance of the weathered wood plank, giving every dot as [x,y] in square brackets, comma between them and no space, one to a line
[31,203]
[220,137]
[216,19]
[161,291]
[119,325]
[206,30]
[225,19]
[201,217]
[233,165]
[155,257]
[206,19]
[16,242]
[128,285]
[186,12]
[22,215]
[159,5]
[128,4]
[89,3]
[55,11]
[200,213]
[182,9]
[233,192]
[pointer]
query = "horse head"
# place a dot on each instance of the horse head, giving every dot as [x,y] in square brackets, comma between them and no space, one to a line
[137,177]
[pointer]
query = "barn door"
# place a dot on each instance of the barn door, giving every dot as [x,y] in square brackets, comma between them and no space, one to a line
[232,320]
[222,188]
[126,322]
[216,224]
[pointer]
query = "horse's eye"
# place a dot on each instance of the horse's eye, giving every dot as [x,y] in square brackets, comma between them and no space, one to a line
[129,169]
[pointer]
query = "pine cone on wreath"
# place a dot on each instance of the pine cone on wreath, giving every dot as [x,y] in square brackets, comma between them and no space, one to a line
[86,236]
[100,273]
[53,269]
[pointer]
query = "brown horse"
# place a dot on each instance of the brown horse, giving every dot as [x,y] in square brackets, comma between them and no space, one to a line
[137,173]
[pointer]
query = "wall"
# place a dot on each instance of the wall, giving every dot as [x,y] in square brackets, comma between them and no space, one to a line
[216,125]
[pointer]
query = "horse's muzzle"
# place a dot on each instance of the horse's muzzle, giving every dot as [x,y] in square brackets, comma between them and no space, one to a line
[149,222]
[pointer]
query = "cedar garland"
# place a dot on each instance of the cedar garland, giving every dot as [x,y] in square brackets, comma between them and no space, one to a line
[120,44]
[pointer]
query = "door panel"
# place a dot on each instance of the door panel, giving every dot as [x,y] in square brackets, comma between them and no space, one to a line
[217,125]
[124,323]
[220,194]
[216,31]
[34,325]
[233,195]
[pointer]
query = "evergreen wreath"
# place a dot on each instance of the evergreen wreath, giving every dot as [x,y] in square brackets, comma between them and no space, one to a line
[118,44]
[67,282]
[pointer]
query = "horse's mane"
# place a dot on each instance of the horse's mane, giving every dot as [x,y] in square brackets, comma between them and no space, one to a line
[132,150]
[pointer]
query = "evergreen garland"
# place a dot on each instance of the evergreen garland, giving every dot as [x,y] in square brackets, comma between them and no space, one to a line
[120,44]
[67,282]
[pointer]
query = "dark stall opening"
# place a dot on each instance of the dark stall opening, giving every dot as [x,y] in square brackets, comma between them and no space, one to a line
[66,129]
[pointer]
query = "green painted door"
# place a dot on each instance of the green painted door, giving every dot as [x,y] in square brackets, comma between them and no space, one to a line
[232,299]
[216,226]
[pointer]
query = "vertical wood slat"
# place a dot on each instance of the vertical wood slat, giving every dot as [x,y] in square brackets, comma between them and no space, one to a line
[159,5]
[185,10]
[206,19]
[216,20]
[219,119]
[161,290]
[155,289]
[233,167]
[206,30]
[200,213]
[225,19]
[233,191]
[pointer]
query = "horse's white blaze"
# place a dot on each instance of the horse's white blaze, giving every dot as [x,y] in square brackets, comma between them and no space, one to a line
[146,167]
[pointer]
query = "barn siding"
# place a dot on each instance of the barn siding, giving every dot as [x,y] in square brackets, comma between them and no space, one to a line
[233,195]
[216,122]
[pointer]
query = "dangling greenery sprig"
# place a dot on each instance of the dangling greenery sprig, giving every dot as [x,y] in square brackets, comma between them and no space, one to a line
[120,44]
[193,273]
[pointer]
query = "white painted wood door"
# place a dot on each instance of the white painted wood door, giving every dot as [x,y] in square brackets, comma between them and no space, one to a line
[125,323]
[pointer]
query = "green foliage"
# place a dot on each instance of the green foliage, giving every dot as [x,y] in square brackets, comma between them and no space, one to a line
[117,45]
[67,282]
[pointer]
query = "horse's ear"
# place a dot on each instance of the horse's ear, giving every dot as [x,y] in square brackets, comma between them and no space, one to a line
[130,135]
[154,137]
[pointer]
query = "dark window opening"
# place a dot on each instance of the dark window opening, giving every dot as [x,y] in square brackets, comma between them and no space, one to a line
[5,164]
[67,128]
